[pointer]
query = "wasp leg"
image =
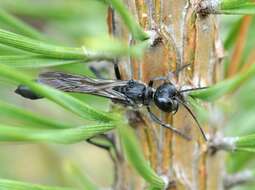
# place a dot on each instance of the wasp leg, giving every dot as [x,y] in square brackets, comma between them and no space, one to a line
[173,113]
[110,147]
[151,82]
[117,71]
[106,146]
[96,72]
[158,121]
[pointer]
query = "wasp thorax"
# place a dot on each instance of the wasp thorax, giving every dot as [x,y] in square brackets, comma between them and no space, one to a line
[164,98]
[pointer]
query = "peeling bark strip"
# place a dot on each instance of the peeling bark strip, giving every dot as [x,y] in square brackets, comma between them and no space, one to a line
[180,37]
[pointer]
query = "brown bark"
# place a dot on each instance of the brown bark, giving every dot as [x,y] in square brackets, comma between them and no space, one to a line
[186,38]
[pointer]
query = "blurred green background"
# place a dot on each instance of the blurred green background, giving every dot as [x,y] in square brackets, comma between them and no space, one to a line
[66,23]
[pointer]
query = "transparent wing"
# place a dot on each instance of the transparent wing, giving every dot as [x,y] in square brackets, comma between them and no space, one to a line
[83,84]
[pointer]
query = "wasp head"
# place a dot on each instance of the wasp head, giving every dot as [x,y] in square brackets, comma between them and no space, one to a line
[164,98]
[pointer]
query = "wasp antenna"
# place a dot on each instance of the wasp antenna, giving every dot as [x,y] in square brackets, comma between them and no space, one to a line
[158,121]
[193,89]
[193,116]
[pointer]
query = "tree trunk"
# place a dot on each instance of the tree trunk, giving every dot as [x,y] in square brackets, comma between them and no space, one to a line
[183,38]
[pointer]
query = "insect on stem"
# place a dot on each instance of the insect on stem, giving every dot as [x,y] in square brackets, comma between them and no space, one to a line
[126,92]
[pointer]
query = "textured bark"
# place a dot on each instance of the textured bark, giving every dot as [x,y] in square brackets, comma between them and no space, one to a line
[185,38]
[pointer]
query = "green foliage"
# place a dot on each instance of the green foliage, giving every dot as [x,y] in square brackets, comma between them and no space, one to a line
[60,136]
[237,7]
[106,50]
[237,161]
[54,10]
[222,88]
[240,110]
[32,119]
[74,172]
[233,33]
[16,185]
[34,61]
[42,48]
[135,157]
[246,143]
[20,26]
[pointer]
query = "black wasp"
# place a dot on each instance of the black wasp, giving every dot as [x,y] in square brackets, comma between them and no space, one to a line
[127,92]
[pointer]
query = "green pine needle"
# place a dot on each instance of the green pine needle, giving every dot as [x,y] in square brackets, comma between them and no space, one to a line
[77,175]
[16,185]
[34,61]
[20,26]
[222,88]
[35,46]
[30,118]
[246,143]
[111,48]
[243,7]
[59,136]
[135,156]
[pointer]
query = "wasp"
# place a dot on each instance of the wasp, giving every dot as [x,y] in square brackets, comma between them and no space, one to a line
[133,93]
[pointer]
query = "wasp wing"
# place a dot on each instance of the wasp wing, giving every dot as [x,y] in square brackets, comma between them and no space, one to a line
[82,84]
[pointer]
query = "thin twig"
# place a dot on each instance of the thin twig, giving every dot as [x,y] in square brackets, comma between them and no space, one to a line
[237,179]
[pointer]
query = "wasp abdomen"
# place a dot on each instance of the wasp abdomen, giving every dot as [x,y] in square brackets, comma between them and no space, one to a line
[26,92]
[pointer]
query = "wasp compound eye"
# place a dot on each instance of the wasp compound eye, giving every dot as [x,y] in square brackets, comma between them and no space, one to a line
[25,92]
